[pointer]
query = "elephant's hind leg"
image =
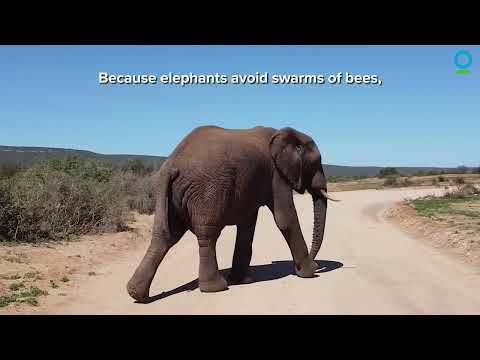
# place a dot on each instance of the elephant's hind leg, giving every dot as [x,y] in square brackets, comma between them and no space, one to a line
[139,285]
[209,278]
[243,251]
[166,232]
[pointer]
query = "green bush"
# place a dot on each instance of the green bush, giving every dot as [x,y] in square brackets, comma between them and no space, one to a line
[82,168]
[388,171]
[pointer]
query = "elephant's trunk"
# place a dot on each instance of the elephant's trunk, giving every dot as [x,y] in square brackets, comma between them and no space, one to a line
[319,217]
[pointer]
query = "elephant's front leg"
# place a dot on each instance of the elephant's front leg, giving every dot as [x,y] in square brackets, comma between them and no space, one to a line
[243,251]
[286,218]
[304,266]
[209,278]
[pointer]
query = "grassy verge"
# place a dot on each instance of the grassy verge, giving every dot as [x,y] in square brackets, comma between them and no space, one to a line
[16,288]
[459,208]
[446,205]
[29,296]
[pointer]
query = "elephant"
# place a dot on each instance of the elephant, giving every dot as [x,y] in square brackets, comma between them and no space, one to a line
[217,177]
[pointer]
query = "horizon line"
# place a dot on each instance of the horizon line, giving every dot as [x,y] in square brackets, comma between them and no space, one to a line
[165,156]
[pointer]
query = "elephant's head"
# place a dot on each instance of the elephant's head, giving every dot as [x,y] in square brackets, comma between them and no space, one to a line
[298,160]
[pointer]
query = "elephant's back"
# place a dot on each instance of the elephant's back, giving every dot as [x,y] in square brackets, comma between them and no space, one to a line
[217,142]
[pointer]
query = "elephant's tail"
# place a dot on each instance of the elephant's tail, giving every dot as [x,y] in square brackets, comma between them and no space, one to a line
[162,208]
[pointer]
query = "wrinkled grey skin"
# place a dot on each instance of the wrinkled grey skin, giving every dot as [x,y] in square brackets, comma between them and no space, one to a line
[217,177]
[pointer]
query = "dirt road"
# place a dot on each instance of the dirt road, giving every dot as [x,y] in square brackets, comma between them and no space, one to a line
[368,266]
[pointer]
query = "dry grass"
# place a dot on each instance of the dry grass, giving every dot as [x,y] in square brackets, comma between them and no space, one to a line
[404,181]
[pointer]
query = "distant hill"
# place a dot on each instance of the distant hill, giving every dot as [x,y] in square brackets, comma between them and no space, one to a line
[26,155]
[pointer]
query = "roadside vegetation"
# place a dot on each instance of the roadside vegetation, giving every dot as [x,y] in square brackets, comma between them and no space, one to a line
[462,204]
[58,198]
[29,296]
[335,179]
[450,221]
[390,177]
[23,288]
[388,172]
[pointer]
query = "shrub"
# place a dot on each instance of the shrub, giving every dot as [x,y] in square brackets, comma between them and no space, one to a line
[459,180]
[138,192]
[407,182]
[9,214]
[8,170]
[51,201]
[463,191]
[57,198]
[441,179]
[15,286]
[138,167]
[388,171]
[78,167]
[391,180]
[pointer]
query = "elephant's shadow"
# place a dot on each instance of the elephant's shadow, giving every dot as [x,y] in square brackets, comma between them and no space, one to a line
[275,270]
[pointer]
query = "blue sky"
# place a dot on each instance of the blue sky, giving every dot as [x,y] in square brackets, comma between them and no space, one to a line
[424,114]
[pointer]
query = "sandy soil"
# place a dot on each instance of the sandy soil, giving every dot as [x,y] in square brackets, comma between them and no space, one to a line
[61,268]
[459,234]
[368,266]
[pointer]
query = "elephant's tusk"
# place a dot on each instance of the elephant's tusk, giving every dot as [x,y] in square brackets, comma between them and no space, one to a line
[324,193]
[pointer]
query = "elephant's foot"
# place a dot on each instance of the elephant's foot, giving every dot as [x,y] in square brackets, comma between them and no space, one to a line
[238,277]
[307,269]
[213,285]
[137,292]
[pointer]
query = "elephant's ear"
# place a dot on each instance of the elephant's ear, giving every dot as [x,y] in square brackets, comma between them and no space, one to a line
[284,150]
